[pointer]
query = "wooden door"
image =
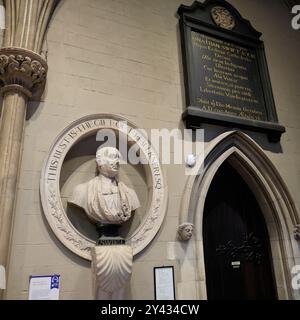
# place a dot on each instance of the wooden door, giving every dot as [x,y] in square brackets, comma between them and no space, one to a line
[237,254]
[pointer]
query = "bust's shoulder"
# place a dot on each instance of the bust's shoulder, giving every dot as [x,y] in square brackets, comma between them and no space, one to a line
[80,193]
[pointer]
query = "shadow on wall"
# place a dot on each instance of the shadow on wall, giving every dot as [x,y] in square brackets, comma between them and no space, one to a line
[32,108]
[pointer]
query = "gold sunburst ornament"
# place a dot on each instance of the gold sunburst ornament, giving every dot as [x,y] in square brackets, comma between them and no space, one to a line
[222,18]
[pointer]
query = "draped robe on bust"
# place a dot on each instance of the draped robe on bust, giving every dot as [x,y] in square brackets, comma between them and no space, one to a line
[105,200]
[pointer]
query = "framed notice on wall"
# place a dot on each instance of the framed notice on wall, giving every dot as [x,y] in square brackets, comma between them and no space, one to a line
[164,284]
[44,287]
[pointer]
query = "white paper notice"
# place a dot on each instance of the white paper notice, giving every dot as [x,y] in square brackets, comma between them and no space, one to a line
[164,283]
[44,287]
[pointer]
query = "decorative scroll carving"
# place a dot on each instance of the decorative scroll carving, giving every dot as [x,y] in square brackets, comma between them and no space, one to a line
[63,225]
[249,249]
[147,227]
[22,70]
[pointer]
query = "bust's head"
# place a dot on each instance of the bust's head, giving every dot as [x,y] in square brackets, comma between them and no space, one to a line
[108,161]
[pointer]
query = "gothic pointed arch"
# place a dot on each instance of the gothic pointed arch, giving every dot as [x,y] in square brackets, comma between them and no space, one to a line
[264,180]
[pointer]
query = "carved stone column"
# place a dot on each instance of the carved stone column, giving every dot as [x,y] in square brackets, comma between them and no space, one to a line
[23,75]
[26,22]
[111,268]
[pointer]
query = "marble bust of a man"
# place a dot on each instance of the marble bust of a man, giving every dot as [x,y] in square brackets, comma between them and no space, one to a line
[104,198]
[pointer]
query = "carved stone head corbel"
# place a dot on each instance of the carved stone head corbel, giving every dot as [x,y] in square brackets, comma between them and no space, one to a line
[185,231]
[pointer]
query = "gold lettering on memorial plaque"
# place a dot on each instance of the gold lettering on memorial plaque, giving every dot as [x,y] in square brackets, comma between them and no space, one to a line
[227,80]
[222,18]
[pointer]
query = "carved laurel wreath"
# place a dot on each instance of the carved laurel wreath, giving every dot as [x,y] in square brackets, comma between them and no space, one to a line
[62,224]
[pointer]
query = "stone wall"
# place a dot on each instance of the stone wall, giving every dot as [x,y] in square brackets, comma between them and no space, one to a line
[123,57]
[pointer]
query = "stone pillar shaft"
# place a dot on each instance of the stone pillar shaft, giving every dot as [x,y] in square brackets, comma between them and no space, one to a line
[26,22]
[11,136]
[22,76]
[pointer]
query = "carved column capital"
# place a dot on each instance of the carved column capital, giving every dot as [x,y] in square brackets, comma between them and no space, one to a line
[22,70]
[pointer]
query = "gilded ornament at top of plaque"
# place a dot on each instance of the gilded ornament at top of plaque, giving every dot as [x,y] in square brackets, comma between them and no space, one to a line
[222,18]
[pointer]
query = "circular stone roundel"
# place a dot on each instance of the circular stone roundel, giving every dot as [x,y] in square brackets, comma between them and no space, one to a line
[50,190]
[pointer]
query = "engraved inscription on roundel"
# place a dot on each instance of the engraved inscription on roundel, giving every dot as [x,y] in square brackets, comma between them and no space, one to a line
[82,133]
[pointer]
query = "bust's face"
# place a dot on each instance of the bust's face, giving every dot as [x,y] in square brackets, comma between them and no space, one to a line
[109,162]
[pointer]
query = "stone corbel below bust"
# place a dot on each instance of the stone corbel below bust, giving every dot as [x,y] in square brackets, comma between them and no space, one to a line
[111,269]
[22,70]
[185,231]
[297,232]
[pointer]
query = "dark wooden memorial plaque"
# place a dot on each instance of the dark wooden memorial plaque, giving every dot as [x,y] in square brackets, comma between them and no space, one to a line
[226,75]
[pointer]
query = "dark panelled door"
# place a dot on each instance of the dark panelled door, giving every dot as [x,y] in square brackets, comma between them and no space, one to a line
[236,242]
